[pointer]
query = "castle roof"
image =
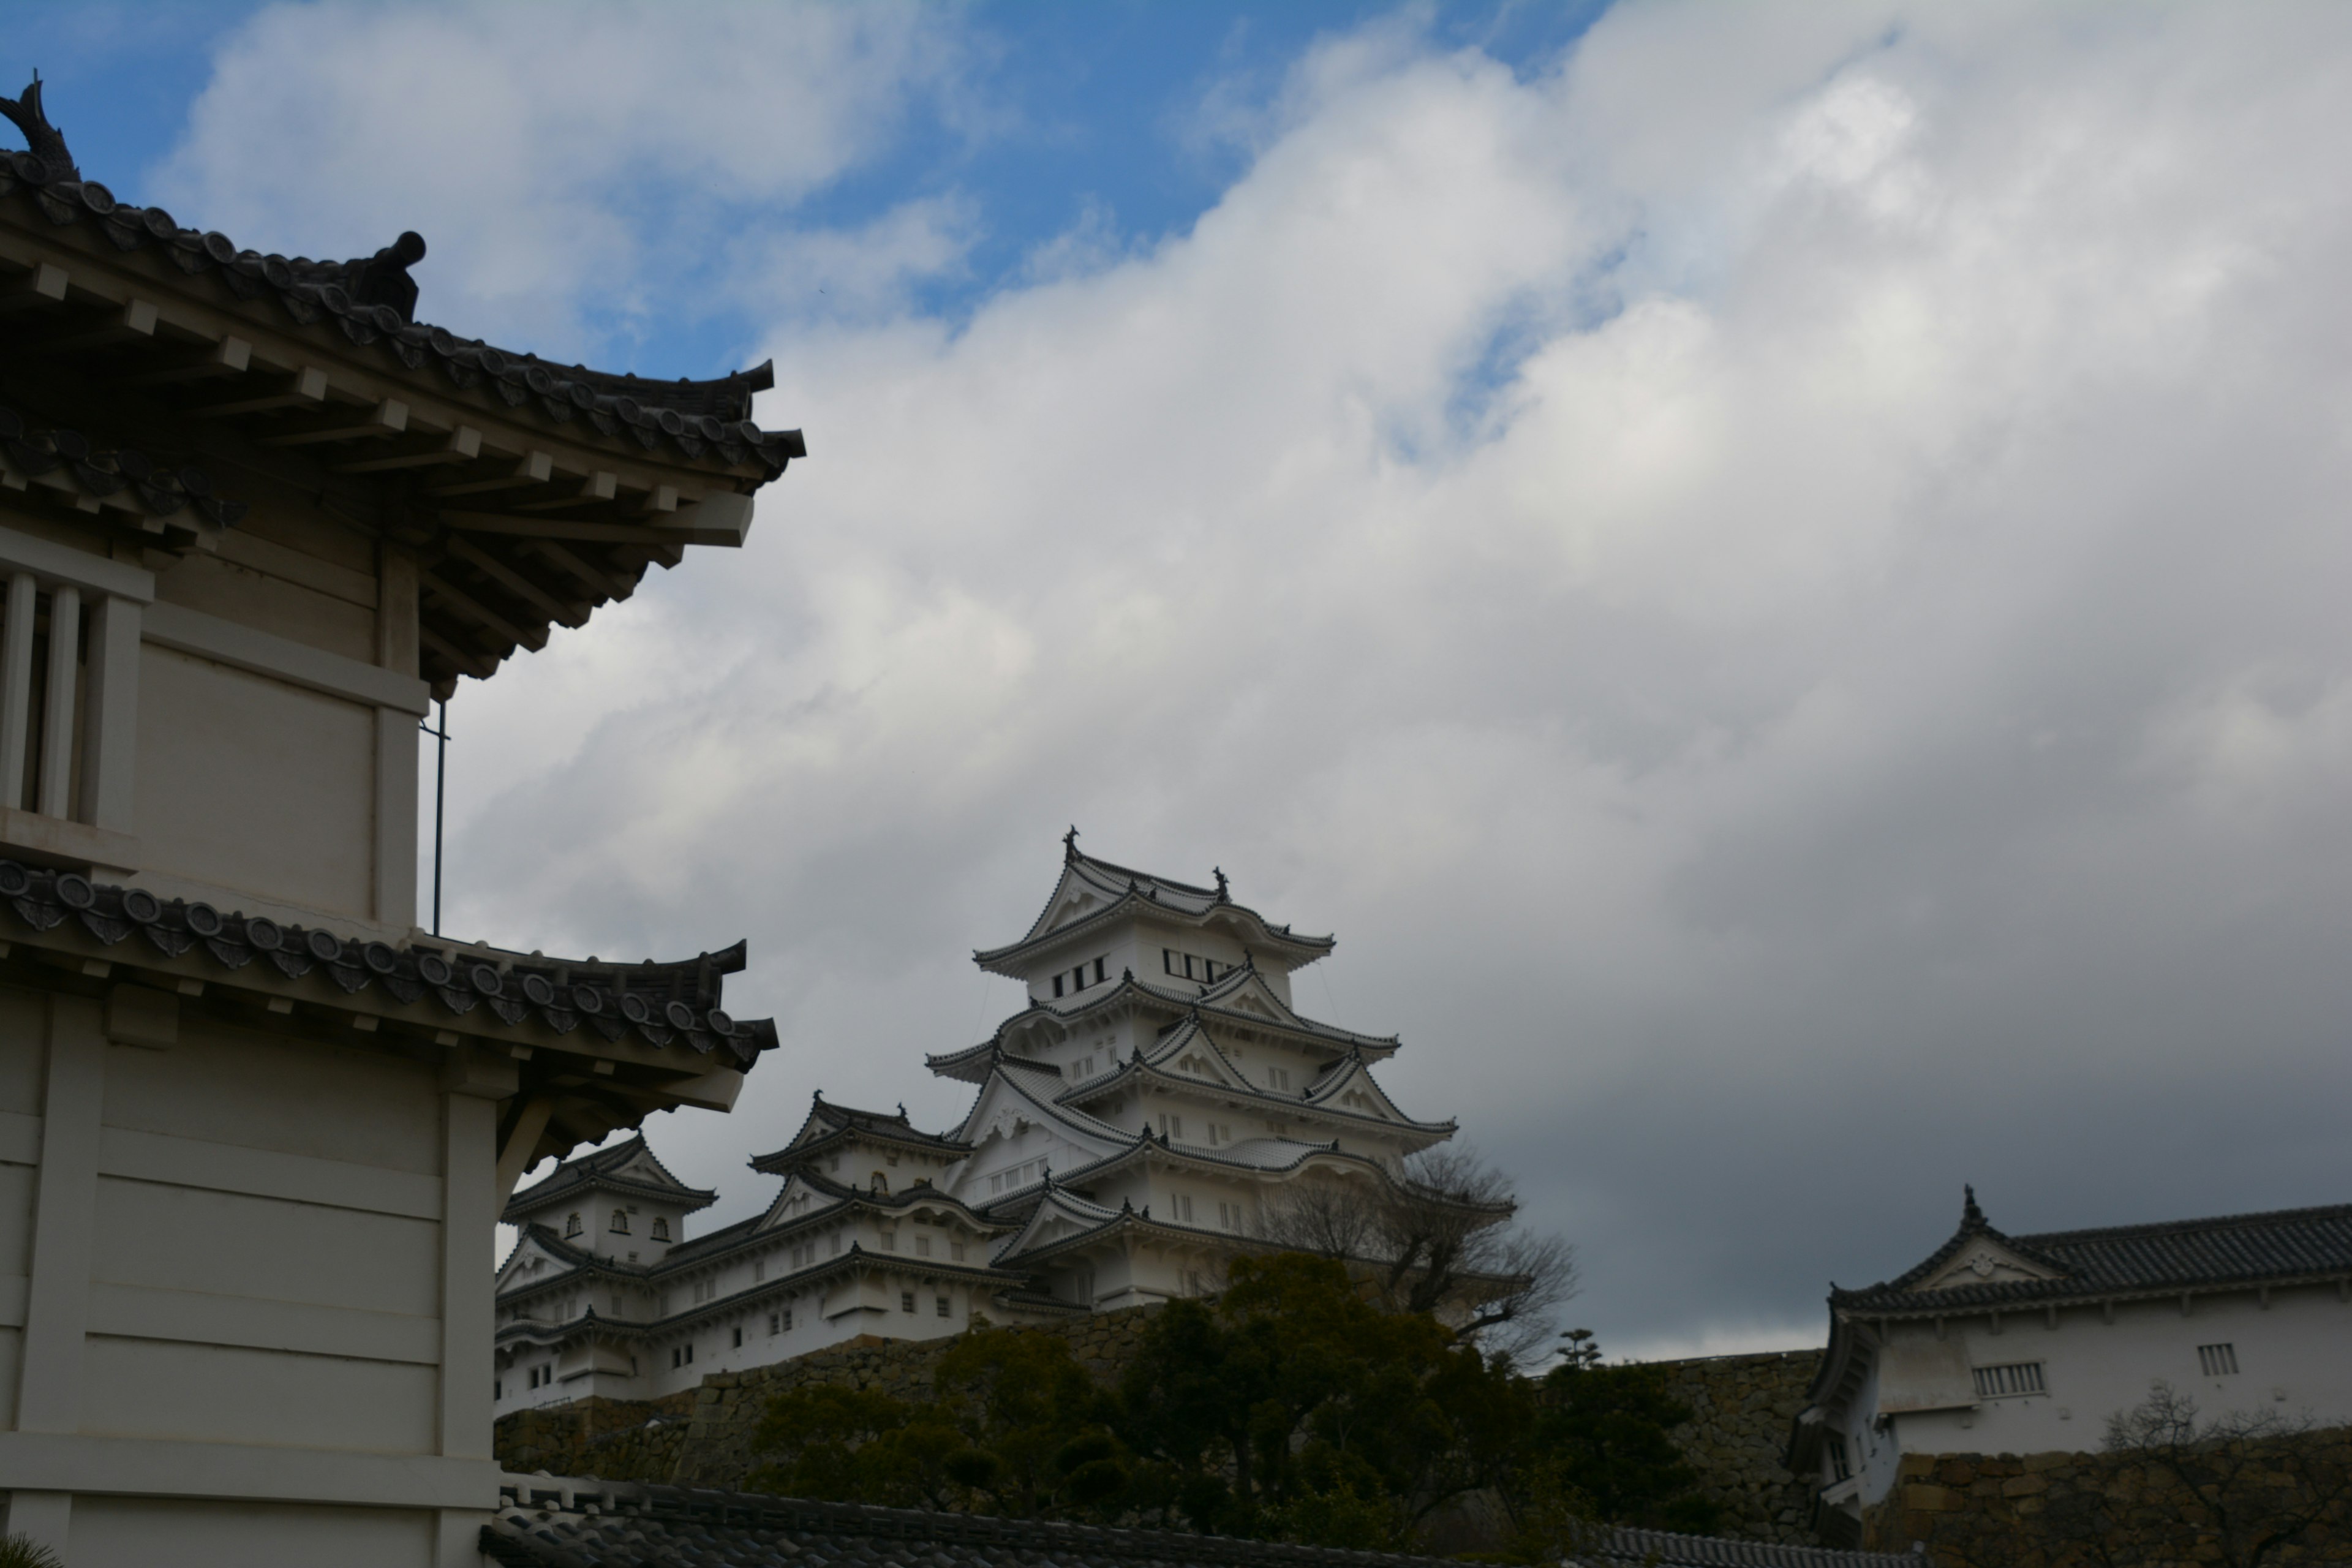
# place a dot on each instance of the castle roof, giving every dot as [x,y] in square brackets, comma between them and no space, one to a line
[544,1523]
[2229,1251]
[1093,894]
[1239,1000]
[666,1018]
[531,491]
[829,1126]
[1324,1099]
[627,1168]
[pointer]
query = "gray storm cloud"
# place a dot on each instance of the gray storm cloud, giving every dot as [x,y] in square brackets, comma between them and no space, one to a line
[1778,584]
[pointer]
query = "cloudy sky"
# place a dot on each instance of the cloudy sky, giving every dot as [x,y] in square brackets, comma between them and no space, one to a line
[1776,574]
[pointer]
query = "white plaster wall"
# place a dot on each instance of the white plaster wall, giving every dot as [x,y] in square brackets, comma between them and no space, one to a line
[2295,1357]
[256,786]
[238,1241]
[146,1532]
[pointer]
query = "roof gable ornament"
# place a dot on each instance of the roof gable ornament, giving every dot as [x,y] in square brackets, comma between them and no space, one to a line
[382,279]
[1070,845]
[46,140]
[1225,893]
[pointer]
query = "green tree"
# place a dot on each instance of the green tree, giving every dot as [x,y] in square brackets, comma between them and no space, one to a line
[1014,1426]
[1605,1438]
[1293,1408]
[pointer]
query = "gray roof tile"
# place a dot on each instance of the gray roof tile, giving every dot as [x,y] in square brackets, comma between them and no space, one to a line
[549,1524]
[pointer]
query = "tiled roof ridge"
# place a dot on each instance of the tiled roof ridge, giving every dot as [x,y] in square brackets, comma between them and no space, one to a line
[529,1505]
[1128,885]
[1106,1082]
[33,451]
[2081,1271]
[597,1167]
[1128,985]
[562,995]
[692,416]
[866,1519]
[2247,1220]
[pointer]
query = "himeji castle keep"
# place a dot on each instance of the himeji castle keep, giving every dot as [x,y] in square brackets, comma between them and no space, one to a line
[1132,1128]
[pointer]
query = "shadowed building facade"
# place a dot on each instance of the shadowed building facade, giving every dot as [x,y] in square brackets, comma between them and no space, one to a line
[256,1127]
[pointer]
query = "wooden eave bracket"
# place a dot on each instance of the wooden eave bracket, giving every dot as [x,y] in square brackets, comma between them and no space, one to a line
[135,320]
[230,356]
[462,445]
[306,388]
[535,468]
[389,417]
[43,288]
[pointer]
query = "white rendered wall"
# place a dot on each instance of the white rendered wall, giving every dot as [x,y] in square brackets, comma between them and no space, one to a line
[2295,1358]
[236,1252]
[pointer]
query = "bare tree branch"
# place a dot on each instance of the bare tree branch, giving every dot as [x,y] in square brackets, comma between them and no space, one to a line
[1438,1238]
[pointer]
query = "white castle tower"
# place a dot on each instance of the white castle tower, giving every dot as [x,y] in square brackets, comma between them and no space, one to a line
[1140,1119]
[1138,1124]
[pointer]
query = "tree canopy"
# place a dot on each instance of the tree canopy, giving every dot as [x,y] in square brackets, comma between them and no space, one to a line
[1293,1406]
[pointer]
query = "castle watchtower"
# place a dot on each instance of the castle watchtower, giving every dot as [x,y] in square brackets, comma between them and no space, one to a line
[256,1127]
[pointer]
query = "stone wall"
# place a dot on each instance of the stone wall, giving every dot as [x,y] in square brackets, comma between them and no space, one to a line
[702,1436]
[2081,1511]
[1743,1406]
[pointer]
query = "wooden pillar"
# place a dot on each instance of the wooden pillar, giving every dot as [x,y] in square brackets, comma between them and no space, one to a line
[16,684]
[57,1296]
[57,720]
[110,733]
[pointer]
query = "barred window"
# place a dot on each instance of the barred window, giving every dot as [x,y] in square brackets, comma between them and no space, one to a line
[2007,1381]
[2216,1361]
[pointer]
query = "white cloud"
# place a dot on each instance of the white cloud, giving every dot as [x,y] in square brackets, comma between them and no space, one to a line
[1778,584]
[560,160]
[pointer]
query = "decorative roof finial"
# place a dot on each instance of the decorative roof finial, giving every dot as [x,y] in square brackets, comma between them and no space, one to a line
[902,1110]
[47,141]
[382,279]
[1070,844]
[1970,1213]
[1224,896]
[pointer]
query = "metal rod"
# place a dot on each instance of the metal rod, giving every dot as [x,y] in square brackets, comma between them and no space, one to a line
[440,804]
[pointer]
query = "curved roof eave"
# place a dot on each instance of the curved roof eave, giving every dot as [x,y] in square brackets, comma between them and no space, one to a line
[694,417]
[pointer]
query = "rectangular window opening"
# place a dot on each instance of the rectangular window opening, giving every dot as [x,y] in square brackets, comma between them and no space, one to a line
[905,1300]
[2009,1381]
[2218,1360]
[943,1306]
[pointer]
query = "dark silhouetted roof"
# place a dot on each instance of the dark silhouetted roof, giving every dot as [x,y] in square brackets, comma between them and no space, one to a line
[572,1524]
[172,504]
[692,417]
[662,1005]
[2176,1255]
[605,1170]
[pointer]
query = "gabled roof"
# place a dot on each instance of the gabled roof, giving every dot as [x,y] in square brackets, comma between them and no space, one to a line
[627,1168]
[1093,893]
[1223,1001]
[542,1523]
[830,1126]
[359,301]
[1162,1064]
[530,492]
[1351,1075]
[543,1239]
[560,1010]
[1005,1088]
[2233,1250]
